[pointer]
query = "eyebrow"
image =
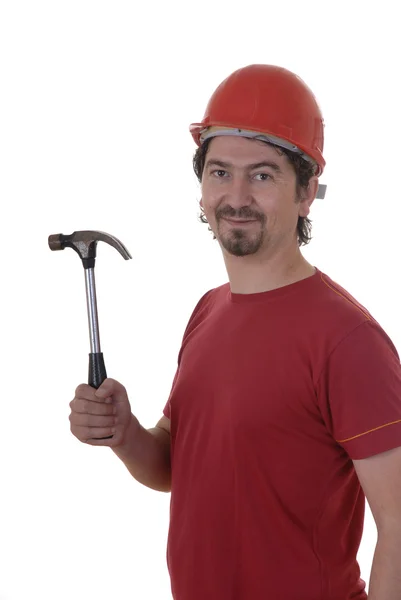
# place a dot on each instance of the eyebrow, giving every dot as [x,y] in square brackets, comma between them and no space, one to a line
[219,163]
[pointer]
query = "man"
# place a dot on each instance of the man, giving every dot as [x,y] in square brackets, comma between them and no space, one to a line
[285,411]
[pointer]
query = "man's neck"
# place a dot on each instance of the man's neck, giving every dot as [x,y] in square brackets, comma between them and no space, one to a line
[250,275]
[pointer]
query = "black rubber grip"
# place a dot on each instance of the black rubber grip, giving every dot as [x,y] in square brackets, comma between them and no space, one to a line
[97,370]
[97,374]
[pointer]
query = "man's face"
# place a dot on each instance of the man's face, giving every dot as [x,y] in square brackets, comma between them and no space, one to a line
[249,196]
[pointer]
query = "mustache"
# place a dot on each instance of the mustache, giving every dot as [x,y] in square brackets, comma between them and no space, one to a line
[243,213]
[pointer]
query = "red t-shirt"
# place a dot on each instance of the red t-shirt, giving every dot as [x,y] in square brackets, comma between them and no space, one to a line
[274,395]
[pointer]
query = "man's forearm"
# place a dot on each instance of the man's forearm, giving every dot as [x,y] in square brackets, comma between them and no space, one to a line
[385,577]
[146,454]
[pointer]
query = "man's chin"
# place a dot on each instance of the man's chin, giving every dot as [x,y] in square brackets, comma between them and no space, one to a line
[239,247]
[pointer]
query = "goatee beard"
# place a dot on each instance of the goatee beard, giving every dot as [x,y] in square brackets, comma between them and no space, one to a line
[239,242]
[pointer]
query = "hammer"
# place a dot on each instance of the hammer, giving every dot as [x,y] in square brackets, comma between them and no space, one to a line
[84,243]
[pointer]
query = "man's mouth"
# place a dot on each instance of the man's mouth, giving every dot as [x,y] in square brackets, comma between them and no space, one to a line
[239,221]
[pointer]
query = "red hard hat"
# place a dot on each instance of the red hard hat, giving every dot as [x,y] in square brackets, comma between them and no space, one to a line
[270,103]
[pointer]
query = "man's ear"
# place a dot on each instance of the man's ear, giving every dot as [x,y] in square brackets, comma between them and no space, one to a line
[201,203]
[307,197]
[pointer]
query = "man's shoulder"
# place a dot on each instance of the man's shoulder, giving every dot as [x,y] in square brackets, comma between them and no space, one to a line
[215,295]
[334,313]
[339,301]
[208,301]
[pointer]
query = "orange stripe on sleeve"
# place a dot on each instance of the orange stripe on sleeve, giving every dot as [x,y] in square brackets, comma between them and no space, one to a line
[366,432]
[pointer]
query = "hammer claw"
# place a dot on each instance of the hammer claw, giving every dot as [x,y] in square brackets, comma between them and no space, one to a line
[85,242]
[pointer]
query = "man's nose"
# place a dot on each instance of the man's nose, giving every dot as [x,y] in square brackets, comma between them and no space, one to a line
[239,192]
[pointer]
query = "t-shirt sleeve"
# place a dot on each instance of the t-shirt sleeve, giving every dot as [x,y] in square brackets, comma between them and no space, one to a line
[359,392]
[167,408]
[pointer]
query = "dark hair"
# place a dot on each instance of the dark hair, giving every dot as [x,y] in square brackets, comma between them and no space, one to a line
[304,170]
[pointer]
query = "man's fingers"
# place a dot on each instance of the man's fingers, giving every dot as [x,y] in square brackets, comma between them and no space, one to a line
[110,387]
[87,392]
[96,413]
[87,434]
[80,405]
[86,420]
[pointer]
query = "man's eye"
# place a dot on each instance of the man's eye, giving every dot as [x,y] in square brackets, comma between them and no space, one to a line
[219,173]
[262,176]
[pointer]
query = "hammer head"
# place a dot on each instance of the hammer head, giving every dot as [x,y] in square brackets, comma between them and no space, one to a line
[85,242]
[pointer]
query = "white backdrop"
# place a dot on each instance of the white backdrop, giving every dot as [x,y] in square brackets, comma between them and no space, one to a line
[95,103]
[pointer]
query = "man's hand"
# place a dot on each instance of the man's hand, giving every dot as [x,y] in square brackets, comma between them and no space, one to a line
[101,413]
